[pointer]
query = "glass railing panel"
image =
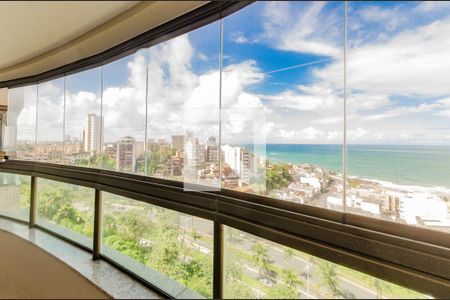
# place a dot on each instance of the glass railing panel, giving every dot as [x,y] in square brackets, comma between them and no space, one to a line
[398,113]
[124,114]
[171,250]
[183,107]
[256,268]
[15,196]
[66,209]
[83,121]
[50,121]
[282,119]
[20,129]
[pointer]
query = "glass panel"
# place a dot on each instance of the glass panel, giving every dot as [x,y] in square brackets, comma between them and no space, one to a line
[183,102]
[83,122]
[124,112]
[50,119]
[66,209]
[398,112]
[21,123]
[15,196]
[158,244]
[283,116]
[258,268]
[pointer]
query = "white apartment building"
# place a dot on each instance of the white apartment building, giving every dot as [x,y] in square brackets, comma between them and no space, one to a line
[92,137]
[194,153]
[239,160]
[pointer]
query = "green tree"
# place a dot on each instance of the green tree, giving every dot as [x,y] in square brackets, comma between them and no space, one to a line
[277,176]
[261,258]
[328,277]
[288,253]
[291,279]
[282,292]
[233,267]
[232,235]
[239,290]
[25,190]
[379,286]
[109,226]
[104,161]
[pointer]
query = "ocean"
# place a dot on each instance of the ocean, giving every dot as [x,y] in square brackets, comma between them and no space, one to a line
[427,166]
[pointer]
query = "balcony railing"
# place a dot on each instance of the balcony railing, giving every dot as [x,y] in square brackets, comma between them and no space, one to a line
[416,258]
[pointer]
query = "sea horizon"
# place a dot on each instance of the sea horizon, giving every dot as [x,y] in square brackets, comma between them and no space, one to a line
[419,165]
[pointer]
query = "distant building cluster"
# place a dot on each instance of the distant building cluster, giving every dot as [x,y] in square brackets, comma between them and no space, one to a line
[186,157]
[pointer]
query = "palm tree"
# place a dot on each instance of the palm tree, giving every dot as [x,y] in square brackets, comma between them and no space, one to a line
[260,257]
[288,253]
[291,278]
[379,285]
[328,277]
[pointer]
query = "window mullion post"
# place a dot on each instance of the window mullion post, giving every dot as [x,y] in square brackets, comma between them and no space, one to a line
[98,220]
[33,202]
[218,270]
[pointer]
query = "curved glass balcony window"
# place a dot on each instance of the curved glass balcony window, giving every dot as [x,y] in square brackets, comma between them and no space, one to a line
[273,149]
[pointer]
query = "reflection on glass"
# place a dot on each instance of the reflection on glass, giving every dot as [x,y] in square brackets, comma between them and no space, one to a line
[398,112]
[124,114]
[256,268]
[50,121]
[20,126]
[158,244]
[83,121]
[282,118]
[183,103]
[66,209]
[15,195]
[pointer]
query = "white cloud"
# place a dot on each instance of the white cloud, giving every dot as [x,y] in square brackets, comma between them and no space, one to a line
[51,111]
[304,27]
[413,62]
[311,133]
[389,19]
[432,6]
[238,37]
[334,136]
[22,102]
[306,98]
[365,101]
[444,113]
[202,57]
[78,105]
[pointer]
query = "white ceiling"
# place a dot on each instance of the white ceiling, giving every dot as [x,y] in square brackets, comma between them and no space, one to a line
[28,29]
[37,36]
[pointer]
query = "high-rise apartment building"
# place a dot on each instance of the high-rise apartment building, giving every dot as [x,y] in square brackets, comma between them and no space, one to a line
[212,150]
[194,153]
[126,155]
[238,159]
[92,137]
[178,142]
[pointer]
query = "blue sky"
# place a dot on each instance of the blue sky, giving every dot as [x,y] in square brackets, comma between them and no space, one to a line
[283,63]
